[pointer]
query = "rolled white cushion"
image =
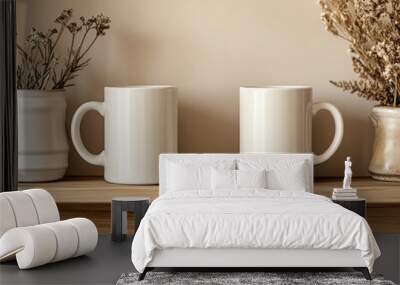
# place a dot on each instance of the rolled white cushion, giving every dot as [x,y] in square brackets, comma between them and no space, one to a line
[7,218]
[41,244]
[87,235]
[45,205]
[33,246]
[23,208]
[67,240]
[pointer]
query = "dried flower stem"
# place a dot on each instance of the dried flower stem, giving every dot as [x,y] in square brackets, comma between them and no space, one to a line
[38,64]
[372,28]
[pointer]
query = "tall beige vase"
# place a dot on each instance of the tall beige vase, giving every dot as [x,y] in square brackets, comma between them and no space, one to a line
[385,161]
[42,136]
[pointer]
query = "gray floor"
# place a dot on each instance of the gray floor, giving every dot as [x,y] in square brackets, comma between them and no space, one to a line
[103,266]
[111,259]
[389,263]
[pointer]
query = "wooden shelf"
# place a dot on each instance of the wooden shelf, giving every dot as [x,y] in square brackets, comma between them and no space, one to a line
[85,190]
[91,196]
[375,192]
[96,190]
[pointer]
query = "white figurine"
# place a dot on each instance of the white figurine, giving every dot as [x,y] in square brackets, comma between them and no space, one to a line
[347,174]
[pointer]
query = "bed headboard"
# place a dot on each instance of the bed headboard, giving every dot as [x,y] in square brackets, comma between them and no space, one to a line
[165,158]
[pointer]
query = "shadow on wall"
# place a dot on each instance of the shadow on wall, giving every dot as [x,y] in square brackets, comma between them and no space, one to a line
[353,136]
[92,128]
[200,128]
[208,49]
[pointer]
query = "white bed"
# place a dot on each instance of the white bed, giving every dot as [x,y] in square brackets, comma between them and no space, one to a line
[202,226]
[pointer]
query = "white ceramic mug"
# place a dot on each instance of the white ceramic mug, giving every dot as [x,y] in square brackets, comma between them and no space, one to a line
[279,119]
[140,123]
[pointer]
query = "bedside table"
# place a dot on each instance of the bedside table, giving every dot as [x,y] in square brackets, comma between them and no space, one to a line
[119,208]
[358,206]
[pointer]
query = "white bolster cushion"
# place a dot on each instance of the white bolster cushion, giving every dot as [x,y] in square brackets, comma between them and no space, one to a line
[87,235]
[23,208]
[37,245]
[33,246]
[7,219]
[66,238]
[26,208]
[45,205]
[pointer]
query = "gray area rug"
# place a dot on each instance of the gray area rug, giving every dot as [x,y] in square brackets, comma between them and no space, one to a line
[269,278]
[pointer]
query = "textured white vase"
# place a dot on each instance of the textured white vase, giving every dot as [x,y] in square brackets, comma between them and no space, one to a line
[385,160]
[279,119]
[140,122]
[42,136]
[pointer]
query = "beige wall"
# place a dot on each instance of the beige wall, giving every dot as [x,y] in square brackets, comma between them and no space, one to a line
[209,48]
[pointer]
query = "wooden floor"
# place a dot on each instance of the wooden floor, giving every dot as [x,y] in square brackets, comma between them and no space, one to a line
[91,196]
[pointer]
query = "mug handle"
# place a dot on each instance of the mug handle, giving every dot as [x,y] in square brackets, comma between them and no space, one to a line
[337,139]
[96,159]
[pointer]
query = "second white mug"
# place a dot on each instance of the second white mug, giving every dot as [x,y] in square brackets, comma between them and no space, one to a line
[279,119]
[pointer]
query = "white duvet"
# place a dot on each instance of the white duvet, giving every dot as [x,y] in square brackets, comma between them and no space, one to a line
[250,219]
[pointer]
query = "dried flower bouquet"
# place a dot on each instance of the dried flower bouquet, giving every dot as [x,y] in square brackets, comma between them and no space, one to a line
[40,68]
[372,28]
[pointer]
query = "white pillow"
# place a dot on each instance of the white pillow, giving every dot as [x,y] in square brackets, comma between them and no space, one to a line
[292,179]
[223,179]
[193,175]
[188,177]
[237,179]
[251,178]
[292,175]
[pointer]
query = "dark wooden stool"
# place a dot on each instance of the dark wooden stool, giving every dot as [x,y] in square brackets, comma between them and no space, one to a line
[119,208]
[358,206]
